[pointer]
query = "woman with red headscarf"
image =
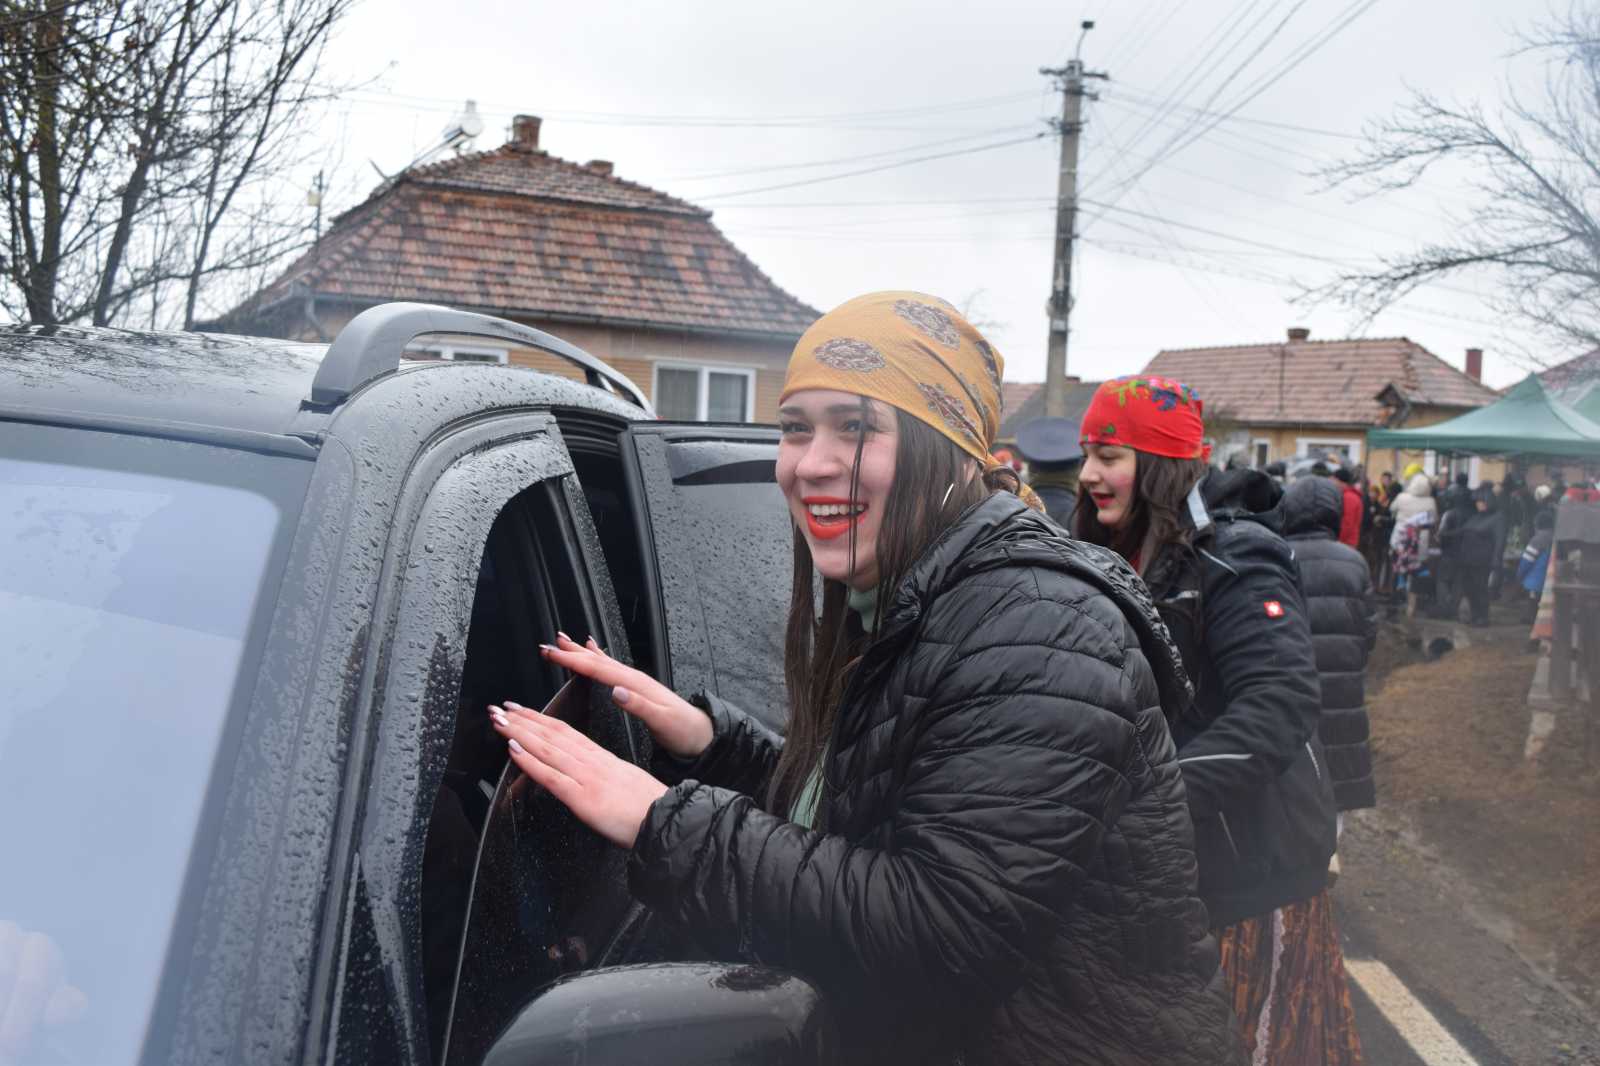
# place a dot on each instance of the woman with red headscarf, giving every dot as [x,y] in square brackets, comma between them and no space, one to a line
[1207,545]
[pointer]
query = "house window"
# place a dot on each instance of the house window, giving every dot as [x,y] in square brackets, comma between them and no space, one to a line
[457,353]
[1260,452]
[704,393]
[1318,447]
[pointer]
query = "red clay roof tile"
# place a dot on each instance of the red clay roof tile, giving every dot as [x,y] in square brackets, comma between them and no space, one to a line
[1332,382]
[523,233]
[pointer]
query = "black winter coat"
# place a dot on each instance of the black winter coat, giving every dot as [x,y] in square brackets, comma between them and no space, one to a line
[1252,761]
[1344,626]
[1483,535]
[1008,874]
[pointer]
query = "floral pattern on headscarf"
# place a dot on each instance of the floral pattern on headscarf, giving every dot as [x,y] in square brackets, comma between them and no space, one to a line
[914,352]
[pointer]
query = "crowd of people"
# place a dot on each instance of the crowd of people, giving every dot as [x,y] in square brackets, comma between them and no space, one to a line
[1064,763]
[1442,544]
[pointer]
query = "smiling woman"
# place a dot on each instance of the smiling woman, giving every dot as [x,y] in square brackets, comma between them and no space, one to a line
[973,839]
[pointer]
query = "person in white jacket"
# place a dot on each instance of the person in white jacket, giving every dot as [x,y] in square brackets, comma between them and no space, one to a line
[1417,497]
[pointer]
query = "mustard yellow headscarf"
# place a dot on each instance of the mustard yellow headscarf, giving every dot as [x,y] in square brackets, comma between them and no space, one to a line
[915,353]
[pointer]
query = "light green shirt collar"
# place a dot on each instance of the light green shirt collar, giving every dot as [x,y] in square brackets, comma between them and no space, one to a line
[864,602]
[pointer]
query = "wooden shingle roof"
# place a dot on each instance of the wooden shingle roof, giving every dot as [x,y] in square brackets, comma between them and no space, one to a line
[1334,382]
[518,232]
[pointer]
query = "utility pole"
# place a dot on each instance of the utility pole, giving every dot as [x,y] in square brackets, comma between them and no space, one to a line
[1070,79]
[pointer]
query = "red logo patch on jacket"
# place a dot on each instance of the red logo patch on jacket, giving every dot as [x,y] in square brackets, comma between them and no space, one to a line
[1274,609]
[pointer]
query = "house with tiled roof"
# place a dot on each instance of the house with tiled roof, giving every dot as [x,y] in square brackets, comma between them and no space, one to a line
[640,279]
[1024,401]
[1301,396]
[1576,381]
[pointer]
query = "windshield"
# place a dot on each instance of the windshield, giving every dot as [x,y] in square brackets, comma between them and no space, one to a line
[131,589]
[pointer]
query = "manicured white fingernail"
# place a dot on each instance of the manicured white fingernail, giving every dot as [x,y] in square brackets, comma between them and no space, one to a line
[515,706]
[516,747]
[498,718]
[563,636]
[621,695]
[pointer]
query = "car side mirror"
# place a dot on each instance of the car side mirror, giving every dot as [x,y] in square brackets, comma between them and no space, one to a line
[671,1014]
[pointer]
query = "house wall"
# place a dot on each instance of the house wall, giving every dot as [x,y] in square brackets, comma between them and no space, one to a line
[633,352]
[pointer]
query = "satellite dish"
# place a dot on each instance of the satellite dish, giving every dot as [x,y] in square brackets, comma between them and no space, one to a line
[471,122]
[463,127]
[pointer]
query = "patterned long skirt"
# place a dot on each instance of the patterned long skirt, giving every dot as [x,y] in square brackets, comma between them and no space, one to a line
[1285,974]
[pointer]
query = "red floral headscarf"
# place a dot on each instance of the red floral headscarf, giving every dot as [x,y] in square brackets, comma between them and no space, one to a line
[1159,416]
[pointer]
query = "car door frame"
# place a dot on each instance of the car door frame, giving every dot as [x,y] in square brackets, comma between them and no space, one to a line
[422,617]
[251,978]
[641,462]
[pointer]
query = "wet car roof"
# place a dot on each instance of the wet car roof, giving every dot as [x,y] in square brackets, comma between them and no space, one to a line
[242,383]
[238,386]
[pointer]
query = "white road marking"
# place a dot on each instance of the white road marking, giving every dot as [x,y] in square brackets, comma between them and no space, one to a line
[1432,1043]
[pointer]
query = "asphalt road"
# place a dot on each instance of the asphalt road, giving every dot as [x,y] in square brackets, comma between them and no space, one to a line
[1438,978]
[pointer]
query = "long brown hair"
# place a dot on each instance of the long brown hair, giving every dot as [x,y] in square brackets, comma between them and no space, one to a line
[1160,486]
[933,486]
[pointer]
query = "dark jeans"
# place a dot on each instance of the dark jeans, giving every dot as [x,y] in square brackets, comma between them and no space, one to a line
[1474,582]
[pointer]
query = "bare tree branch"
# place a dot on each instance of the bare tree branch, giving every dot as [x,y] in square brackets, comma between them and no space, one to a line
[1536,231]
[144,146]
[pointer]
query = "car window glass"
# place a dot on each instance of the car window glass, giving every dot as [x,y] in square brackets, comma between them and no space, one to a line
[548,894]
[724,554]
[529,586]
[131,591]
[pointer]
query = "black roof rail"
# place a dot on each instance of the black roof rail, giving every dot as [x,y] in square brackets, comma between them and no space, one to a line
[374,341]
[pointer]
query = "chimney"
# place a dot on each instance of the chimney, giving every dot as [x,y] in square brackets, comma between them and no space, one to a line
[1298,333]
[599,166]
[1475,364]
[525,133]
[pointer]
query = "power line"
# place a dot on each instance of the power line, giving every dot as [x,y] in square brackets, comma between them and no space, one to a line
[1205,53]
[1216,90]
[1277,148]
[1120,248]
[1122,50]
[1298,55]
[623,118]
[872,170]
[1145,100]
[897,203]
[851,158]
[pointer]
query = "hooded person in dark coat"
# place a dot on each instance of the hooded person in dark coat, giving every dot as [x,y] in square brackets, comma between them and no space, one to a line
[1338,589]
[1482,539]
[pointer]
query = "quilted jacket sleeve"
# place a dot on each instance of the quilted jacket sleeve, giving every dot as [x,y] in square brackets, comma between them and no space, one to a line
[1258,637]
[1017,756]
[741,755]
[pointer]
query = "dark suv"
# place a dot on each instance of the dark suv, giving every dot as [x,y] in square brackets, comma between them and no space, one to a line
[254,600]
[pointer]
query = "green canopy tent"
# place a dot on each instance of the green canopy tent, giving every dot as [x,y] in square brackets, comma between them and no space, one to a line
[1525,421]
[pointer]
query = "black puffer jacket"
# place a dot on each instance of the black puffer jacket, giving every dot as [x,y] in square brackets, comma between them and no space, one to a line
[1252,762]
[1009,874]
[1344,627]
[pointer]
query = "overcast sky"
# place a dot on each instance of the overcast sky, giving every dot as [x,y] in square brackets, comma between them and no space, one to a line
[716,101]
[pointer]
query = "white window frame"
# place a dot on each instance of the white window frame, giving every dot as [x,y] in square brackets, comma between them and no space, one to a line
[703,393]
[1260,458]
[1303,445]
[451,351]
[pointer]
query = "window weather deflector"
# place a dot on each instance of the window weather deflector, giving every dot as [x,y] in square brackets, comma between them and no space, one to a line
[373,342]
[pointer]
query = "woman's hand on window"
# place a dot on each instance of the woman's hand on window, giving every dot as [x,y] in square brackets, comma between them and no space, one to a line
[607,794]
[677,725]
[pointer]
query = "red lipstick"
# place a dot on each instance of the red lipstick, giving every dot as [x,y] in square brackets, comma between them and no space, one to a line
[829,526]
